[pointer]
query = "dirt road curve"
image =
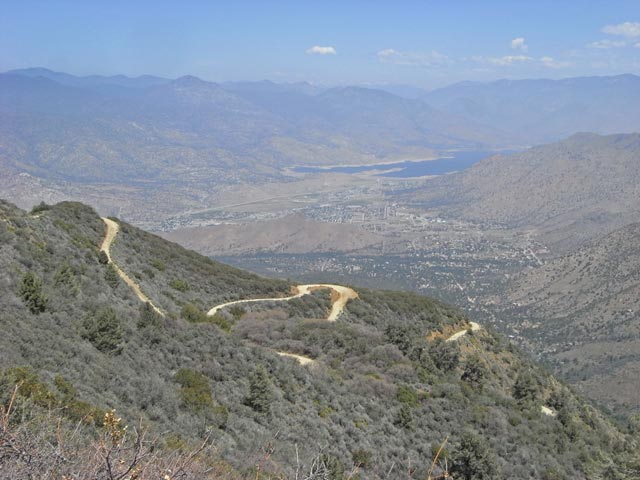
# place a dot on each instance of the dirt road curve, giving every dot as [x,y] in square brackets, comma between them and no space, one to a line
[339,297]
[112,231]
[299,358]
[462,333]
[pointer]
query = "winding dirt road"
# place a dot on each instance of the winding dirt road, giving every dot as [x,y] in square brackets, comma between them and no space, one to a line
[302,360]
[339,297]
[340,294]
[474,327]
[112,231]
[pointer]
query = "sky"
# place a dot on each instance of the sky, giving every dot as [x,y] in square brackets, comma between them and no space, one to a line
[422,43]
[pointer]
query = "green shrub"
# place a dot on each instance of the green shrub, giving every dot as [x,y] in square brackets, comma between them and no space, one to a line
[404,419]
[104,331]
[407,396]
[219,320]
[66,280]
[475,372]
[149,317]
[41,207]
[473,460]
[445,355]
[159,265]
[260,395]
[103,258]
[361,458]
[31,293]
[526,387]
[180,285]
[193,314]
[194,390]
[29,386]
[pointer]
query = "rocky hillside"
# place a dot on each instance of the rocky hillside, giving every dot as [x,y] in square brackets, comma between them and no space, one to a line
[581,312]
[273,384]
[566,193]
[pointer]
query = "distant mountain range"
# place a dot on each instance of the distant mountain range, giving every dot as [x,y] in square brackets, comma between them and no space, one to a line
[121,129]
[567,192]
[128,142]
[546,110]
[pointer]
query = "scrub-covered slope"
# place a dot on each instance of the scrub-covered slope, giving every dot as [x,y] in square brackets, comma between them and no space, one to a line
[383,392]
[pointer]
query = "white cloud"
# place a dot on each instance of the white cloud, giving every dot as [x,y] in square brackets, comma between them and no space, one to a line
[626,29]
[519,44]
[637,45]
[413,59]
[318,50]
[551,62]
[607,43]
[502,61]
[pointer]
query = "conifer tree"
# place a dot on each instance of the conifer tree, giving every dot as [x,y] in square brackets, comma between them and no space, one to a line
[260,395]
[31,293]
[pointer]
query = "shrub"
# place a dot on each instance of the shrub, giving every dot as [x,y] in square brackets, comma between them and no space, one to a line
[66,280]
[179,285]
[193,314]
[407,396]
[475,372]
[104,331]
[404,419]
[445,355]
[149,317]
[473,460]
[219,320]
[41,207]
[361,458]
[159,265]
[194,390]
[31,293]
[103,258]
[526,387]
[260,395]
[111,276]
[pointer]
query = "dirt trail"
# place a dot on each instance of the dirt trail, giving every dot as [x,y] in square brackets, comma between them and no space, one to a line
[299,358]
[112,231]
[340,295]
[474,327]
[339,298]
[548,411]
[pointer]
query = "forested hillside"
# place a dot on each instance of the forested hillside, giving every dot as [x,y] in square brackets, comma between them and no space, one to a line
[380,390]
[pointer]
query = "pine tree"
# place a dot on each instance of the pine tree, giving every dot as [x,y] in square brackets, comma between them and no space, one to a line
[31,293]
[475,372]
[526,387]
[111,276]
[260,395]
[104,331]
[473,460]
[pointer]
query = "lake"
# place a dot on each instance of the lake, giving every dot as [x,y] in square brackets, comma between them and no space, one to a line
[453,162]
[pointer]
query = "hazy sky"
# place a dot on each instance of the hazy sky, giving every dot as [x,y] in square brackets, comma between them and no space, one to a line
[424,43]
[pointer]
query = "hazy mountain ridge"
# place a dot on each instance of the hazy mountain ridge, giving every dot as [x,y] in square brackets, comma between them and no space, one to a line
[205,122]
[374,397]
[547,110]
